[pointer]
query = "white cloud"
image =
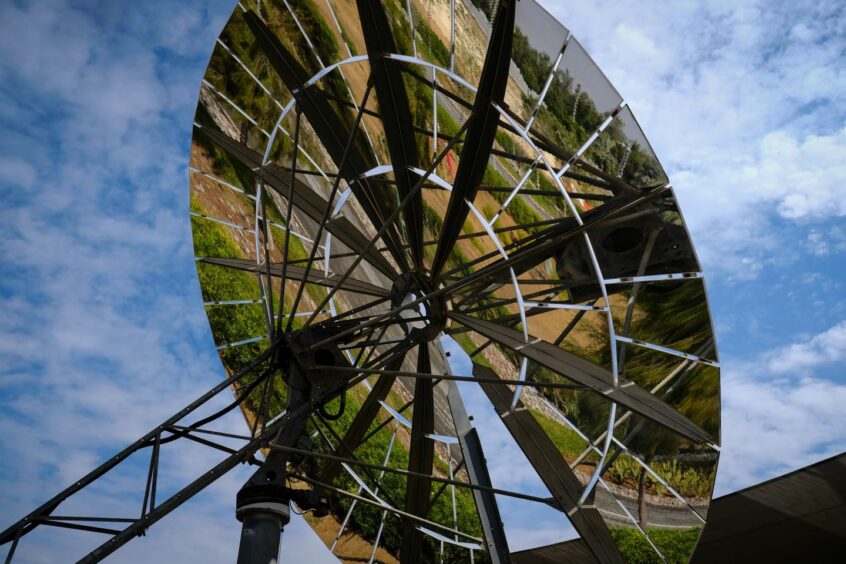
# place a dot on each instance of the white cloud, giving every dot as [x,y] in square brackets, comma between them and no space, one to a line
[783,410]
[102,334]
[17,172]
[800,358]
[822,243]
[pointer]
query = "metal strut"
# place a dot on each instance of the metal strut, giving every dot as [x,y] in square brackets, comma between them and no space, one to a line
[262,504]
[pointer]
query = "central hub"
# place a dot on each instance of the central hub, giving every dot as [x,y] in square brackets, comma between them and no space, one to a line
[425,319]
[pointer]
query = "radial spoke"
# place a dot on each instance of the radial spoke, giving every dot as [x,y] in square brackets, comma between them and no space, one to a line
[352,162]
[343,159]
[477,473]
[455,378]
[420,458]
[295,272]
[598,379]
[307,200]
[480,136]
[387,469]
[289,197]
[396,118]
[547,243]
[394,217]
[552,469]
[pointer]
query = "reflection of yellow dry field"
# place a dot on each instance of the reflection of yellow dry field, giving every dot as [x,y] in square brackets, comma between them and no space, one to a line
[351,547]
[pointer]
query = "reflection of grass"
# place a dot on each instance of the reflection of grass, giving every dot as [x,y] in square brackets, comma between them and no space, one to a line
[365,519]
[675,544]
[447,126]
[567,441]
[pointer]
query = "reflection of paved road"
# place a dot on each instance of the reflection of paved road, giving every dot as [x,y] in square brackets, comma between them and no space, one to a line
[663,516]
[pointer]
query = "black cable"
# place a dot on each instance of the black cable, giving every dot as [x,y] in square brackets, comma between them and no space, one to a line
[334,416]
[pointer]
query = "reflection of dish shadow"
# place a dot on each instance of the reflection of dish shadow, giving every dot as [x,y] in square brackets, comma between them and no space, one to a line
[620,247]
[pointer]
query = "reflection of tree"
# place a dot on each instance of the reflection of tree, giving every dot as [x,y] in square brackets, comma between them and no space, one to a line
[571,109]
[486,6]
[570,116]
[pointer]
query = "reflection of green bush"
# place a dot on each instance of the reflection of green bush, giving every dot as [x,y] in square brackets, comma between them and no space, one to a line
[429,42]
[675,544]
[517,209]
[232,323]
[317,29]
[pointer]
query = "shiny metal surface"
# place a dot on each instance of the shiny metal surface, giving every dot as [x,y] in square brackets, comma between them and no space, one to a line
[572,239]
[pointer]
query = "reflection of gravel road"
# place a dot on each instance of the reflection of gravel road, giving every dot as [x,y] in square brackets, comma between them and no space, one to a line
[658,515]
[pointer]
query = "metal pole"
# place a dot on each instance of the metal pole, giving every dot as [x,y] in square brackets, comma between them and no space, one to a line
[260,535]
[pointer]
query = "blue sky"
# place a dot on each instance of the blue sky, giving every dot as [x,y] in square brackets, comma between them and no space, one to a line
[102,332]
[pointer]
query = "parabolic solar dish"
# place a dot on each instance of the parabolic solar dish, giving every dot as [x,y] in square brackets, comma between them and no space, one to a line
[382,176]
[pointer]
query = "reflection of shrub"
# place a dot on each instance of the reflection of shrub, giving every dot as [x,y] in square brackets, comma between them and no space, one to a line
[232,323]
[486,7]
[317,29]
[675,544]
[431,42]
[688,480]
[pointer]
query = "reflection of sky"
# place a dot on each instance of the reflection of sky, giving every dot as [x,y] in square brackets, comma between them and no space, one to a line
[102,333]
[525,522]
[545,33]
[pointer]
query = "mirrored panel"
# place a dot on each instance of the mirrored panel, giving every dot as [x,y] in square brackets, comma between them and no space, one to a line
[369,177]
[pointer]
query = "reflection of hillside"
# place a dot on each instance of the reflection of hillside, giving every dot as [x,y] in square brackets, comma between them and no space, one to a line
[502,221]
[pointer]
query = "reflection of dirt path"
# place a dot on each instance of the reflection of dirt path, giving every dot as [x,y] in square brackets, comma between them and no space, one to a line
[351,545]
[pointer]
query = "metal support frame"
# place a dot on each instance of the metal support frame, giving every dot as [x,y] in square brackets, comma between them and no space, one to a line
[552,469]
[284,430]
[263,503]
